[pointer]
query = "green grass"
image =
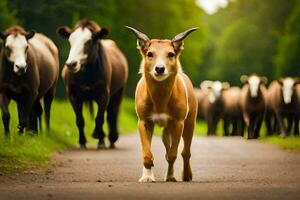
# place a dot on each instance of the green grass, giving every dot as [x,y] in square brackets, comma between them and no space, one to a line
[17,153]
[292,143]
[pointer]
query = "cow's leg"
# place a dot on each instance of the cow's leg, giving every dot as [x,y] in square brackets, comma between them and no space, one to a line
[24,105]
[296,127]
[290,121]
[77,107]
[234,126]
[281,126]
[5,114]
[268,121]
[215,124]
[226,126]
[33,118]
[48,98]
[112,117]
[187,136]
[145,132]
[176,130]
[259,121]
[98,131]
[251,128]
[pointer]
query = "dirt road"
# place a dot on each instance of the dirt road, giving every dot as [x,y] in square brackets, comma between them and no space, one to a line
[223,168]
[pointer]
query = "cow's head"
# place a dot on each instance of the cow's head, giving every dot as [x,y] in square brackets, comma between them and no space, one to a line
[288,87]
[83,39]
[16,47]
[214,89]
[254,81]
[160,57]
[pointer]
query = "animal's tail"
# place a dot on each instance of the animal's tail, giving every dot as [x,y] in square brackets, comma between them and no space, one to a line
[90,107]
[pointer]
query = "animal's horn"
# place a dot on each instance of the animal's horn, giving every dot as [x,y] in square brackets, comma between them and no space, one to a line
[177,41]
[138,34]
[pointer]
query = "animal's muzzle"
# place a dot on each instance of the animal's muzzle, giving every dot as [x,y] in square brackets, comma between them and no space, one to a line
[71,65]
[160,69]
[21,68]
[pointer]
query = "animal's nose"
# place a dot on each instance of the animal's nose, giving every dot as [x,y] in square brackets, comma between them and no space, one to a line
[71,64]
[22,68]
[160,69]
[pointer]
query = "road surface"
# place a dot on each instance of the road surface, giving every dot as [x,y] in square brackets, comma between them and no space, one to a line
[223,168]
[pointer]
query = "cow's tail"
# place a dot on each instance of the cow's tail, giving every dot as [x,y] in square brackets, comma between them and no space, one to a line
[90,107]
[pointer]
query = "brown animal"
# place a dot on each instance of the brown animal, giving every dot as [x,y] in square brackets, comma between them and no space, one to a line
[284,103]
[212,104]
[28,72]
[232,113]
[96,70]
[164,96]
[200,95]
[253,103]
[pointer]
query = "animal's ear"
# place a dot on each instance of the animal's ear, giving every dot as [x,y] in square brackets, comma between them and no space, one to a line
[264,79]
[142,39]
[297,80]
[29,34]
[100,34]
[244,78]
[177,41]
[280,81]
[3,35]
[205,84]
[63,32]
[225,85]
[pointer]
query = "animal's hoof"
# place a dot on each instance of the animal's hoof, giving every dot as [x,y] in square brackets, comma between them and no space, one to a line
[82,146]
[147,179]
[112,146]
[101,145]
[171,179]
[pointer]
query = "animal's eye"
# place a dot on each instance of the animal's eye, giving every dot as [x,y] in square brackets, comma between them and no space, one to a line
[8,50]
[150,55]
[171,55]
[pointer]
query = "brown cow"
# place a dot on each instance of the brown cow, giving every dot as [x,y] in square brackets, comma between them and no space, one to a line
[232,113]
[212,104]
[164,96]
[96,70]
[284,103]
[28,72]
[200,95]
[253,103]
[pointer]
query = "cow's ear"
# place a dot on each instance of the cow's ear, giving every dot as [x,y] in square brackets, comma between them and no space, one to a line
[244,78]
[264,79]
[29,34]
[63,32]
[3,35]
[225,85]
[280,81]
[101,34]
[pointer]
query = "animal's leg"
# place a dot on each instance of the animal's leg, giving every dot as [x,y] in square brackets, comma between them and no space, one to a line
[187,136]
[282,128]
[146,131]
[5,114]
[234,126]
[24,106]
[268,121]
[176,130]
[226,126]
[77,107]
[251,128]
[34,114]
[296,127]
[98,131]
[290,120]
[48,98]
[259,121]
[112,116]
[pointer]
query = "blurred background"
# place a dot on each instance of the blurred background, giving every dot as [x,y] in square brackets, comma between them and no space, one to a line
[235,37]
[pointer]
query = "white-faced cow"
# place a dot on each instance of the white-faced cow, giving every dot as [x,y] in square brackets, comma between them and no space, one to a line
[284,103]
[28,72]
[253,103]
[96,70]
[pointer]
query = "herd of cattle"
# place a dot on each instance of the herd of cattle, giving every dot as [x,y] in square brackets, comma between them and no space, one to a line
[278,105]
[97,70]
